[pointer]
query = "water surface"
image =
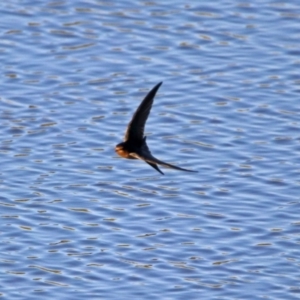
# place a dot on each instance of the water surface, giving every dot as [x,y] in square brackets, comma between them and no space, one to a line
[79,222]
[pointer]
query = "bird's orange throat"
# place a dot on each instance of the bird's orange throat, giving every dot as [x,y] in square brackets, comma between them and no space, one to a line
[122,152]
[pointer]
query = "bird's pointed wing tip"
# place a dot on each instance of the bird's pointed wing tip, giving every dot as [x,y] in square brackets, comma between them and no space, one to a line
[157,86]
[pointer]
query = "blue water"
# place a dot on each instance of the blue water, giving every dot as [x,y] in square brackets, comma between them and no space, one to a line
[78,222]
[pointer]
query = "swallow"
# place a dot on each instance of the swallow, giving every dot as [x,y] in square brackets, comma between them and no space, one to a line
[134,145]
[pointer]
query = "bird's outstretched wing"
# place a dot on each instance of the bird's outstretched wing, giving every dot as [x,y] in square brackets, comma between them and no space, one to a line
[135,129]
[146,155]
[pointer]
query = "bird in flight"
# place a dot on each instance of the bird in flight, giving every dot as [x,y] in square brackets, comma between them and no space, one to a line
[134,145]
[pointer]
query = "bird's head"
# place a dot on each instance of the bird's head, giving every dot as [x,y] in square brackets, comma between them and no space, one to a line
[119,147]
[121,150]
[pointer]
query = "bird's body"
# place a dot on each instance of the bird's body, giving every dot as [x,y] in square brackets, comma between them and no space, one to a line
[134,145]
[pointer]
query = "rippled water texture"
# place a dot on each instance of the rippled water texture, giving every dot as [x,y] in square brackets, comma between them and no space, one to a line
[78,222]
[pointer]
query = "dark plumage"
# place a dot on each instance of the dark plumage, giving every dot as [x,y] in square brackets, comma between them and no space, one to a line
[134,145]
